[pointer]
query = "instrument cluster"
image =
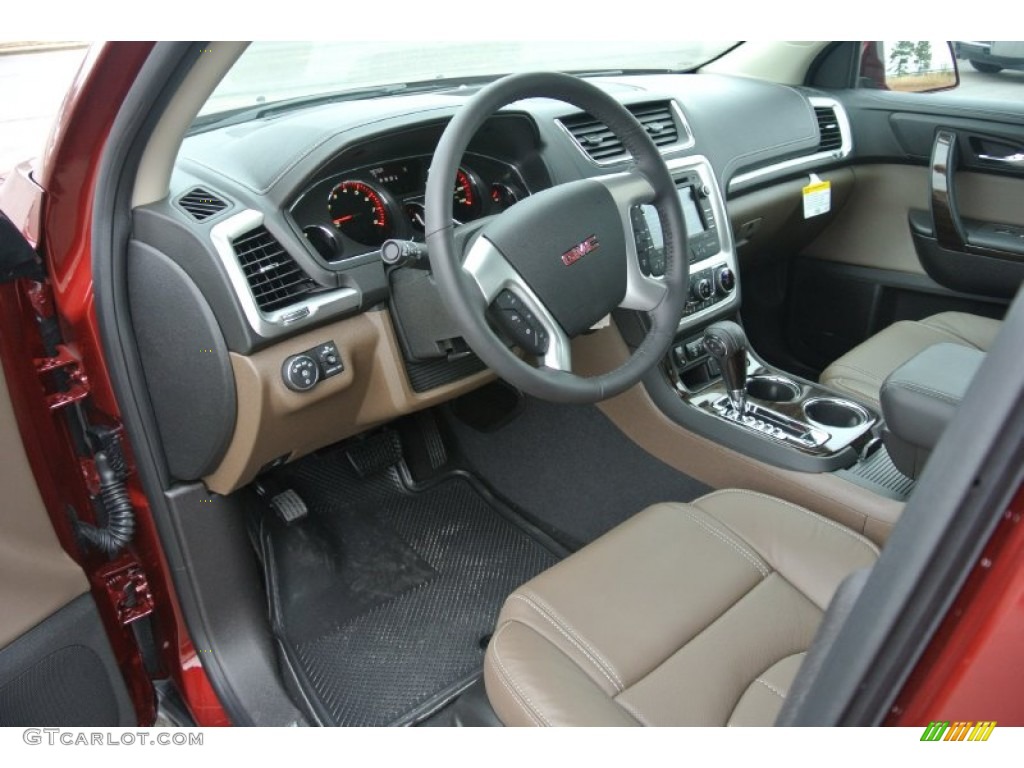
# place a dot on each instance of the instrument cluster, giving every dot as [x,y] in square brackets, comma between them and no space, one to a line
[354,212]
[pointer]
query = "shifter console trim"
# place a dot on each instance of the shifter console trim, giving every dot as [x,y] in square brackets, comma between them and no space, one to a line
[772,424]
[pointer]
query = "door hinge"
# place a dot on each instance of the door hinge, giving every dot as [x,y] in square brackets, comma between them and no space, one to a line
[63,378]
[128,591]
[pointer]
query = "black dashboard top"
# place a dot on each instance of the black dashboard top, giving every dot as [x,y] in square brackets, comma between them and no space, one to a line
[328,183]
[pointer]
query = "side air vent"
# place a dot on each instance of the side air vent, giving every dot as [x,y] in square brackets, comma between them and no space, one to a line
[660,119]
[828,128]
[274,278]
[201,204]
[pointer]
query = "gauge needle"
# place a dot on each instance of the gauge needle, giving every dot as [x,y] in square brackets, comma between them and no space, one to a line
[343,219]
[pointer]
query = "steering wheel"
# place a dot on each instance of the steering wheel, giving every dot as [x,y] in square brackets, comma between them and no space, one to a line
[558,261]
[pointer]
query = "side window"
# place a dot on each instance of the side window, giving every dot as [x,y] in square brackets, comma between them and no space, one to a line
[908,66]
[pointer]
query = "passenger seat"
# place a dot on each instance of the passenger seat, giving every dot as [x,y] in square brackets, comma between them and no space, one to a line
[861,371]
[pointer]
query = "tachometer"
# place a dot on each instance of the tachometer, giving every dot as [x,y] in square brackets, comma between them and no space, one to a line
[361,212]
[466,198]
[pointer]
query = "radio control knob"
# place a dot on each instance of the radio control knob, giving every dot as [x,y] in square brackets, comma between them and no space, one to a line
[726,280]
[300,373]
[702,290]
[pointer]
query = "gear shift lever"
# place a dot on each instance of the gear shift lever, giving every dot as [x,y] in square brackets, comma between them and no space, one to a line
[727,343]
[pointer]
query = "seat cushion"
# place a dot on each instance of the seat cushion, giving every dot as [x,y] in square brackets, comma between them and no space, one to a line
[861,371]
[686,614]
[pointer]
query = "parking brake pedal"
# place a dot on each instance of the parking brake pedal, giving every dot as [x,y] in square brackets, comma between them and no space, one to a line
[285,502]
[289,506]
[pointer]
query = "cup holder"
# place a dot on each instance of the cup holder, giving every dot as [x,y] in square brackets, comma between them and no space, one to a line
[835,413]
[773,389]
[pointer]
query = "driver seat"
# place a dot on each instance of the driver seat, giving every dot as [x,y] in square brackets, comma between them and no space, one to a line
[686,614]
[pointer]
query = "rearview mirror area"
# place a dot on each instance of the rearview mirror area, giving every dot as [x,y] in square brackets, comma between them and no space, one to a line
[909,66]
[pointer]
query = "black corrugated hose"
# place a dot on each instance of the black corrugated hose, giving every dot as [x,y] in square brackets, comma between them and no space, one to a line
[120,527]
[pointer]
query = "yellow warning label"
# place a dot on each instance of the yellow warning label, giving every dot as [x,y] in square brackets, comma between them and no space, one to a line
[817,197]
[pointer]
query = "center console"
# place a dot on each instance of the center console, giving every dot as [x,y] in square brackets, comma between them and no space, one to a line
[797,414]
[716,386]
[721,389]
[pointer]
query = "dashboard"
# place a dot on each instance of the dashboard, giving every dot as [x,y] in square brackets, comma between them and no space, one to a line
[267,252]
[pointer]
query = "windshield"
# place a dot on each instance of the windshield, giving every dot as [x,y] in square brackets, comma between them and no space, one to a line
[274,71]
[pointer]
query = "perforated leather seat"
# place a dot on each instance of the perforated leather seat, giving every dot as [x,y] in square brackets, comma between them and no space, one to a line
[687,614]
[862,370]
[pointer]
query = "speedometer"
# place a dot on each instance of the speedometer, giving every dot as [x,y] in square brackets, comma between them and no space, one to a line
[361,212]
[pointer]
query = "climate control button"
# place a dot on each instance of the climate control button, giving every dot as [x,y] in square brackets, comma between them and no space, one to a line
[725,279]
[702,290]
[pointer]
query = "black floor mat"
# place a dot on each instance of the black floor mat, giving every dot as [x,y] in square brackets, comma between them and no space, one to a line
[382,597]
[570,469]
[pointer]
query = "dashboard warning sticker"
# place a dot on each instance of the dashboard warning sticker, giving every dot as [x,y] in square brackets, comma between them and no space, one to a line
[817,197]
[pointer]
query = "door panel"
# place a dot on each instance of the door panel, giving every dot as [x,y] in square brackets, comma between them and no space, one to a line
[56,665]
[865,270]
[872,228]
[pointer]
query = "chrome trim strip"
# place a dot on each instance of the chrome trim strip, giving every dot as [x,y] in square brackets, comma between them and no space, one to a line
[808,161]
[287,319]
[680,116]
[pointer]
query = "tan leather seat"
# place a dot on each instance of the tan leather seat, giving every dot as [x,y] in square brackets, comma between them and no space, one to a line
[686,614]
[861,371]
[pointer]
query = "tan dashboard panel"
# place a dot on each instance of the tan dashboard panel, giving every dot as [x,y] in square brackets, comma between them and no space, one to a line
[872,229]
[770,221]
[37,577]
[637,416]
[273,421]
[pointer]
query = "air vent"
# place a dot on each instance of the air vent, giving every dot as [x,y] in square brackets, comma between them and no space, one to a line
[275,279]
[828,127]
[201,204]
[602,146]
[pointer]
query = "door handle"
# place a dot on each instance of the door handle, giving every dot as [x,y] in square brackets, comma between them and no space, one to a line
[1017,160]
[948,229]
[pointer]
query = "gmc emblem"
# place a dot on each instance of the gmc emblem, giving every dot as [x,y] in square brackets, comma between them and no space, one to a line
[577,252]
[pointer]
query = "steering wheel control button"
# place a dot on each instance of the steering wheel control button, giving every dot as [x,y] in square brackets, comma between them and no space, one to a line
[519,322]
[300,373]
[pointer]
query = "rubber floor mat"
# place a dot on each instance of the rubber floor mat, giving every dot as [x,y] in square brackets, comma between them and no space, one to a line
[382,598]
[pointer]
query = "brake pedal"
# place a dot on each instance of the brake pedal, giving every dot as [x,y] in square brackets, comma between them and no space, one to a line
[375,453]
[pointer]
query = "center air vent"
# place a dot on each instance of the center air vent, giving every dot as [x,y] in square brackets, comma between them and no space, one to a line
[828,128]
[660,120]
[274,278]
[201,204]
